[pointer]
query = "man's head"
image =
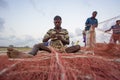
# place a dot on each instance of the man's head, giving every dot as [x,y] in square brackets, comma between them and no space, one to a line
[118,22]
[57,21]
[94,14]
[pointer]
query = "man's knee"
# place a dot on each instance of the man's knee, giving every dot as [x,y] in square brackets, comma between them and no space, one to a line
[78,47]
[73,49]
[38,45]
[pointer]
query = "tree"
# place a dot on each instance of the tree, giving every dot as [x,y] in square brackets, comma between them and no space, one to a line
[11,45]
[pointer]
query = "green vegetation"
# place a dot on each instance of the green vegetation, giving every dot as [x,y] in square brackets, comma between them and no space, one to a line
[24,49]
[3,49]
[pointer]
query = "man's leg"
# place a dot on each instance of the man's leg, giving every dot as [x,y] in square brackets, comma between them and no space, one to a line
[12,53]
[115,38]
[38,47]
[73,49]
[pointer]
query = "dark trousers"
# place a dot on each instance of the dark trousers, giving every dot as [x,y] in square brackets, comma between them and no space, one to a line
[38,47]
[41,46]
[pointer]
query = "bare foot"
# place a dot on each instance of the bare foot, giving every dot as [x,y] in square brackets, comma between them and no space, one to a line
[12,53]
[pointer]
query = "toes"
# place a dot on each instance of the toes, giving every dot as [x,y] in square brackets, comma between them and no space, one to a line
[8,54]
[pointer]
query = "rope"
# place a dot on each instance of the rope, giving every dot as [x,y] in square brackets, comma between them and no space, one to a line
[109,19]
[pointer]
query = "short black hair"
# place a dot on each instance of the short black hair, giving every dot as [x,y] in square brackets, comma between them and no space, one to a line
[117,20]
[57,18]
[95,12]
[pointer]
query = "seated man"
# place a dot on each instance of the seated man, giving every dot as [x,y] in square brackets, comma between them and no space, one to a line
[58,40]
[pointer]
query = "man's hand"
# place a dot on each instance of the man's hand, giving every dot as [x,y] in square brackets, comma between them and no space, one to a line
[92,28]
[59,37]
[106,31]
[94,25]
[53,36]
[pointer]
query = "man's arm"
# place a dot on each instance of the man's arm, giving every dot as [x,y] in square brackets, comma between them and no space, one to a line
[95,23]
[87,23]
[108,30]
[64,41]
[65,38]
[47,36]
[46,39]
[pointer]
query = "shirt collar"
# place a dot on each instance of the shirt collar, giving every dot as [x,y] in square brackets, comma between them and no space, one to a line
[59,28]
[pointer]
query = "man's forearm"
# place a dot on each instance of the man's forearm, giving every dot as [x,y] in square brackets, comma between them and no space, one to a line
[65,41]
[46,39]
[88,25]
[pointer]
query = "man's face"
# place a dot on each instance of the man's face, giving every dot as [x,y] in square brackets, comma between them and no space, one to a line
[57,23]
[119,22]
[94,14]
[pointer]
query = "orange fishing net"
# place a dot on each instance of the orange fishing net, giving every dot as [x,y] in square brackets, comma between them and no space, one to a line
[104,65]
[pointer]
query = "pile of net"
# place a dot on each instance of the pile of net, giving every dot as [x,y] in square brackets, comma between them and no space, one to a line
[103,65]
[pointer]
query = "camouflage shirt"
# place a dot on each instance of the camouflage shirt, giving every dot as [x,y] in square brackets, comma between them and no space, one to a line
[54,42]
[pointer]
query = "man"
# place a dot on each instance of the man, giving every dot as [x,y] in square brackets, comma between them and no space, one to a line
[58,37]
[116,32]
[91,23]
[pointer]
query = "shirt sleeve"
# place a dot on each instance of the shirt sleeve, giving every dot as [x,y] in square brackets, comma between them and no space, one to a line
[96,21]
[47,35]
[87,21]
[112,27]
[66,35]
